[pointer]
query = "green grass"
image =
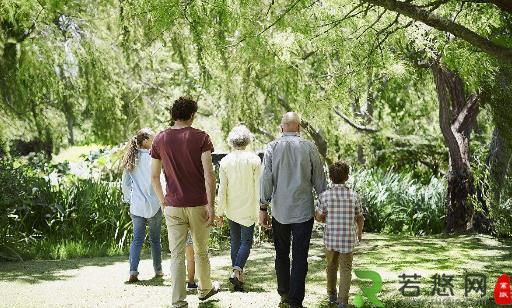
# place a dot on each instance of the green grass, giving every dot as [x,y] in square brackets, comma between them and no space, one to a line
[69,249]
[73,154]
[427,256]
[392,255]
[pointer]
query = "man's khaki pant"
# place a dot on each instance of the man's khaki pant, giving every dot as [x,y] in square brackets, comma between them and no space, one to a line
[179,221]
[343,261]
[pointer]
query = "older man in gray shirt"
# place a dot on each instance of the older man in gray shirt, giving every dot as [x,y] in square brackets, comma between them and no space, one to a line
[292,169]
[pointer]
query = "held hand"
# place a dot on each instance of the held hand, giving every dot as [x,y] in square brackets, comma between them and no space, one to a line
[211,215]
[322,217]
[264,220]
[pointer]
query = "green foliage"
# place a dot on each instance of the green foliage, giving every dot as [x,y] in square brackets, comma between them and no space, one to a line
[500,214]
[64,73]
[492,201]
[100,71]
[73,215]
[22,203]
[396,203]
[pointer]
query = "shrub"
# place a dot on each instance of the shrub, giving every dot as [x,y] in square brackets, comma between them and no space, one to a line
[23,206]
[397,203]
[75,211]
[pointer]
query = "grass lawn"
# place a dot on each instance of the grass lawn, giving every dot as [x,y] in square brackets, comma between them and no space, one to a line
[100,281]
[73,154]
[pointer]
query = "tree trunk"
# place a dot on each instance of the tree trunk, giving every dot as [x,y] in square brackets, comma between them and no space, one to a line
[8,70]
[499,161]
[71,135]
[13,35]
[457,117]
[356,109]
[67,109]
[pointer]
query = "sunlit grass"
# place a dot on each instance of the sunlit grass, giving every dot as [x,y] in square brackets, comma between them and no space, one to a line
[73,154]
[392,256]
[71,249]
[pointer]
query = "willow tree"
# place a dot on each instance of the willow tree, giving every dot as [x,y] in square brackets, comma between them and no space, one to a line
[478,30]
[259,58]
[62,70]
[255,71]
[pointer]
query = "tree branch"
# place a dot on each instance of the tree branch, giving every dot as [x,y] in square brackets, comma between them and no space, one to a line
[502,53]
[434,5]
[335,23]
[265,133]
[373,24]
[279,18]
[358,127]
[269,7]
[261,131]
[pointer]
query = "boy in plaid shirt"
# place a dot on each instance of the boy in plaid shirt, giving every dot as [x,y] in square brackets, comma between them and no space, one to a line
[340,208]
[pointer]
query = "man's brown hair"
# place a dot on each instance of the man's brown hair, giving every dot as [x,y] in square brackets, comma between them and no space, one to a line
[183,109]
[338,172]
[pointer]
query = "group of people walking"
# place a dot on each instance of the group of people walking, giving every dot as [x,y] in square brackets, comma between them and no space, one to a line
[292,169]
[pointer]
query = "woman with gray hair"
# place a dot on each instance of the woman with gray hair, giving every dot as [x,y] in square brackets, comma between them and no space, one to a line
[238,198]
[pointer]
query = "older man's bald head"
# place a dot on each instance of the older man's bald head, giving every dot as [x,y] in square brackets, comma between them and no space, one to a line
[290,122]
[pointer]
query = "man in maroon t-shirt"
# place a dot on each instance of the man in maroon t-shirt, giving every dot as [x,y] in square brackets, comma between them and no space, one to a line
[185,155]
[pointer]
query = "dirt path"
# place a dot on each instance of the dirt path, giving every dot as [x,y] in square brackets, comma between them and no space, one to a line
[99,282]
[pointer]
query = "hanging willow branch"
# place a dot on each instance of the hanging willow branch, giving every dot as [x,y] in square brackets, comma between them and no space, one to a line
[443,24]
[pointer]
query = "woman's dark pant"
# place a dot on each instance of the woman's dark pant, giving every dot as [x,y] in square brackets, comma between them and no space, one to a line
[241,243]
[292,283]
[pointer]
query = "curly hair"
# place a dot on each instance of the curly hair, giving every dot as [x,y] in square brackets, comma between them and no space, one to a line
[131,151]
[240,136]
[338,172]
[183,109]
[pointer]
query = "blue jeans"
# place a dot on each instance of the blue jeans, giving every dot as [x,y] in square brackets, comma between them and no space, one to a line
[241,243]
[139,234]
[292,282]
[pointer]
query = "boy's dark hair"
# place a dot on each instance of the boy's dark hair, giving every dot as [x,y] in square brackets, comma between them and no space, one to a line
[338,172]
[183,109]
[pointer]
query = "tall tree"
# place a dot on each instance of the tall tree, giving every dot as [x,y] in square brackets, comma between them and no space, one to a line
[457,117]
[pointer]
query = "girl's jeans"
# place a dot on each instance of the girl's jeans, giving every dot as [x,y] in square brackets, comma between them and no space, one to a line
[139,233]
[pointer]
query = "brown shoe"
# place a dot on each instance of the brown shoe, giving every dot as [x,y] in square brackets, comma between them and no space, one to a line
[159,275]
[133,279]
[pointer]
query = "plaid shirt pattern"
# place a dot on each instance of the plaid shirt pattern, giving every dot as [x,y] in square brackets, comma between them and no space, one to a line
[342,205]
